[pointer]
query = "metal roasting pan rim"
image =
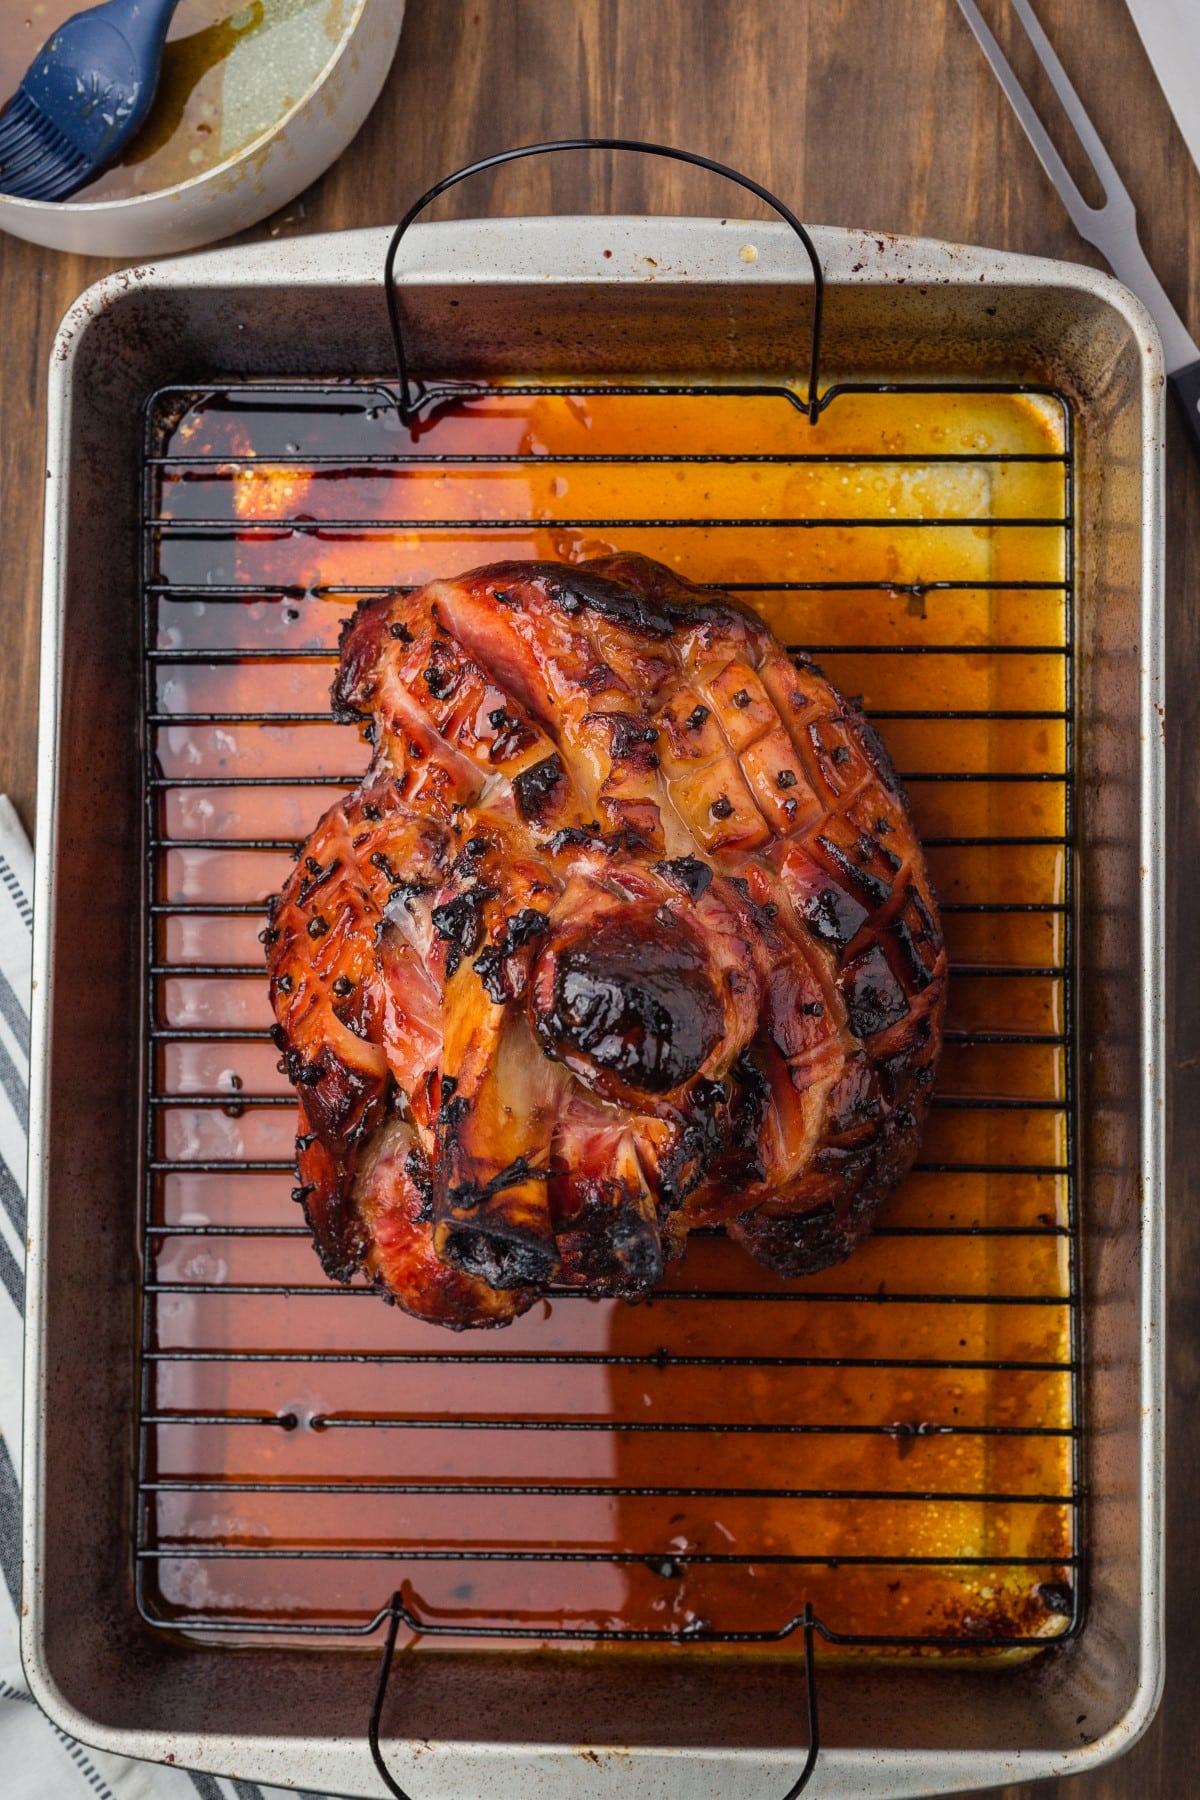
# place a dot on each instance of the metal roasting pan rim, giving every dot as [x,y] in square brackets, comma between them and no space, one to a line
[601,252]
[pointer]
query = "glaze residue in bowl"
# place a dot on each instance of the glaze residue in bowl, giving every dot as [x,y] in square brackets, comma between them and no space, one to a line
[231,71]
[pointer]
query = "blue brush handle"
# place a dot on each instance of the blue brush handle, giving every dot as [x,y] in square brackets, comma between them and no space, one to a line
[119,45]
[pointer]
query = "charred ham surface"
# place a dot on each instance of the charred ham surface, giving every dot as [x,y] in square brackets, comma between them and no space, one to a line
[625,930]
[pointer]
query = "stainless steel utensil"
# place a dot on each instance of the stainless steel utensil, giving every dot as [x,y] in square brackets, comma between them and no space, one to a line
[1167,29]
[1112,228]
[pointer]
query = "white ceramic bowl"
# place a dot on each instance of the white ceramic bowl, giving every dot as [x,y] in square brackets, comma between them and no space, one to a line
[264,174]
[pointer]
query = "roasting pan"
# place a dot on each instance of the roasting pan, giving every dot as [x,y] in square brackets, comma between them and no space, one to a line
[584,300]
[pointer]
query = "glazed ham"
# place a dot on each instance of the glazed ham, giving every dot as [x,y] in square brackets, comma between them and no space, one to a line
[625,930]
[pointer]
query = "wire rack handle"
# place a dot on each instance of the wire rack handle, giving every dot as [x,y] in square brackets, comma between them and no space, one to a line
[414,394]
[397,1612]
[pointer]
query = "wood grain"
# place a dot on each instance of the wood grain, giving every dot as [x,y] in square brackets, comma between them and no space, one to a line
[863,112]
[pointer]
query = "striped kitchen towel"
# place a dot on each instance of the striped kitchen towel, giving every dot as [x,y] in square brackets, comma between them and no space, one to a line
[39,1761]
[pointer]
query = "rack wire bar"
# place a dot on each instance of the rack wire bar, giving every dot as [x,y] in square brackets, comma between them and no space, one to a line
[244,1432]
[399,1611]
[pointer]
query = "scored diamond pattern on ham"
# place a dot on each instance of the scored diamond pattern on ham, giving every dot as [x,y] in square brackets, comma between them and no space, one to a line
[625,930]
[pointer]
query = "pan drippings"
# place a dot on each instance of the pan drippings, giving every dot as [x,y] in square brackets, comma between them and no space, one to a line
[892,1440]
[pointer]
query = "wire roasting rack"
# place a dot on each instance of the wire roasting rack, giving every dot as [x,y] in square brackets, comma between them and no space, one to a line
[238,643]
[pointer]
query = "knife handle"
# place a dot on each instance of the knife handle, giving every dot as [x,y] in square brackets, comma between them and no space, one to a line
[1186,386]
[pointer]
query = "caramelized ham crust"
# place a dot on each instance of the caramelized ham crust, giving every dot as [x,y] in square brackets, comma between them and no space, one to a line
[625,930]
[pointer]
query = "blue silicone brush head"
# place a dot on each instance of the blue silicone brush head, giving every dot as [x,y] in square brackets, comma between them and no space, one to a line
[84,96]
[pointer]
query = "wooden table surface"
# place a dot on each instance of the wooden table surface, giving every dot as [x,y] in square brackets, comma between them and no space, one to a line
[861,112]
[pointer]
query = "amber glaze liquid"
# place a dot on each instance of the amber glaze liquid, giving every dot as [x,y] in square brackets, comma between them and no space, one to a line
[886,1434]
